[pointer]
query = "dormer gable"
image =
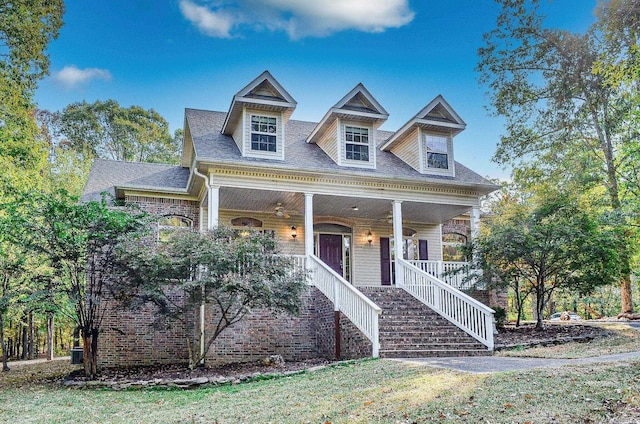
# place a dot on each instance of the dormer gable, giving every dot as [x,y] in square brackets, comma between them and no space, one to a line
[425,142]
[347,131]
[257,117]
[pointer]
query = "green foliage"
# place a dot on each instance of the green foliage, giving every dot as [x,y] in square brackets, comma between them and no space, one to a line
[231,273]
[79,241]
[567,108]
[500,316]
[26,27]
[548,244]
[110,131]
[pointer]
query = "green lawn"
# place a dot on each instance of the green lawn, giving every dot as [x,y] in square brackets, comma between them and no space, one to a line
[369,391]
[373,391]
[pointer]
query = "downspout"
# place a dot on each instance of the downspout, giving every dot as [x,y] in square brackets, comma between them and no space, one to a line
[202,303]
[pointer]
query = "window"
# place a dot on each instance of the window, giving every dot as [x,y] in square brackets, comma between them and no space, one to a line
[452,247]
[437,152]
[168,224]
[263,133]
[357,143]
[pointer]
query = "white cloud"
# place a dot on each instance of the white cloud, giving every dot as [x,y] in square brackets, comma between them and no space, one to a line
[298,18]
[211,22]
[72,76]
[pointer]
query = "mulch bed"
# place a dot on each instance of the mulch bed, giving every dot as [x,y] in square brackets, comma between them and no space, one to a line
[526,335]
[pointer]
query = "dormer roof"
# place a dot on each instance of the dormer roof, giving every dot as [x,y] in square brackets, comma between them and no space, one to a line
[263,93]
[357,105]
[438,115]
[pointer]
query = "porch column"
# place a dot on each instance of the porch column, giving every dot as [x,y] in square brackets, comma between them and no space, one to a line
[213,207]
[475,222]
[308,224]
[397,239]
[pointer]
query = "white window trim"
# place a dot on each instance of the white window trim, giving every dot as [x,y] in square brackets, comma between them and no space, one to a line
[342,131]
[247,131]
[424,154]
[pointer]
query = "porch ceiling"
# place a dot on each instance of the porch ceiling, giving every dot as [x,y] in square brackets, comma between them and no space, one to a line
[265,201]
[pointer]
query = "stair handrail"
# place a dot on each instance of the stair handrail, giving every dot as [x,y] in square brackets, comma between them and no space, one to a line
[360,310]
[471,316]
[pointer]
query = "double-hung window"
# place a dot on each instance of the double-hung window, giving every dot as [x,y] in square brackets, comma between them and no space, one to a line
[437,152]
[263,133]
[357,143]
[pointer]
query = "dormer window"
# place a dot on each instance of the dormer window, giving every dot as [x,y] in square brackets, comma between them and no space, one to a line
[357,143]
[437,152]
[263,133]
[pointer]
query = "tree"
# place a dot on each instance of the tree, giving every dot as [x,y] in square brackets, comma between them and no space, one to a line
[26,27]
[110,131]
[80,241]
[232,273]
[548,244]
[566,124]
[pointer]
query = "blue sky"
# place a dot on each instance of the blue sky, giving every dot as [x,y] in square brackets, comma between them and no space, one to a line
[172,54]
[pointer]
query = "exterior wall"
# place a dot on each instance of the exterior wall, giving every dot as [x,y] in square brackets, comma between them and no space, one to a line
[238,133]
[329,141]
[457,226]
[407,150]
[128,338]
[281,226]
[160,206]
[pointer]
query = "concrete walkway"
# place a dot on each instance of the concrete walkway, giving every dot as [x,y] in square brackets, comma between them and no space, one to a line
[494,364]
[35,361]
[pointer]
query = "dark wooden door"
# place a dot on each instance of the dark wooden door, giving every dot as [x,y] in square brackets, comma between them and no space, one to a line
[331,251]
[385,261]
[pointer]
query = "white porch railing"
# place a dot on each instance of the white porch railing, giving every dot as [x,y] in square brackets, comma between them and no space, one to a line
[462,310]
[438,269]
[362,312]
[299,262]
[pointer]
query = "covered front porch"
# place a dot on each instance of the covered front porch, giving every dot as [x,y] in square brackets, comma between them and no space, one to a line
[357,237]
[348,241]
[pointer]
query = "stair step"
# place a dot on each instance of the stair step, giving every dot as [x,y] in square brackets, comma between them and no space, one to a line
[409,328]
[427,353]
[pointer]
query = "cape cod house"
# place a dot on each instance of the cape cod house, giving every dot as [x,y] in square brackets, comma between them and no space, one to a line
[362,208]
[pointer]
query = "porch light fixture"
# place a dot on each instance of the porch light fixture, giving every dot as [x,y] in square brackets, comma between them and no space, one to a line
[369,237]
[294,232]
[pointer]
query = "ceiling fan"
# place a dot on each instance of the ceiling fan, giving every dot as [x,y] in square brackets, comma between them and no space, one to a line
[280,212]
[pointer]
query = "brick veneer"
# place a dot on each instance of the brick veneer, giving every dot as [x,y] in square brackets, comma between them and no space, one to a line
[160,206]
[129,338]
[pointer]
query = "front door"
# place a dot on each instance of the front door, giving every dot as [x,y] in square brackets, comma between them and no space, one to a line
[331,251]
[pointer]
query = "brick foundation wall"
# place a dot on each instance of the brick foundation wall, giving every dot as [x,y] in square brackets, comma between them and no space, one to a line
[128,338]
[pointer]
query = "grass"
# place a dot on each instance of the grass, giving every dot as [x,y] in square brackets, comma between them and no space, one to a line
[624,339]
[377,391]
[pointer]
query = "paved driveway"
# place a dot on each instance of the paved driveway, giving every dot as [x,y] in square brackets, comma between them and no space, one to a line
[493,364]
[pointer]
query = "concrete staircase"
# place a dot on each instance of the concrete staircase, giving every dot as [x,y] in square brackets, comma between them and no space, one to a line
[410,329]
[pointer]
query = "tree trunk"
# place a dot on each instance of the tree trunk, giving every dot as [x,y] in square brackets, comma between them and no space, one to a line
[50,333]
[90,353]
[23,354]
[31,335]
[539,310]
[5,366]
[626,300]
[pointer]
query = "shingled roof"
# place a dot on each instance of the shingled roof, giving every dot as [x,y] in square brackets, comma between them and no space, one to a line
[211,145]
[105,175]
